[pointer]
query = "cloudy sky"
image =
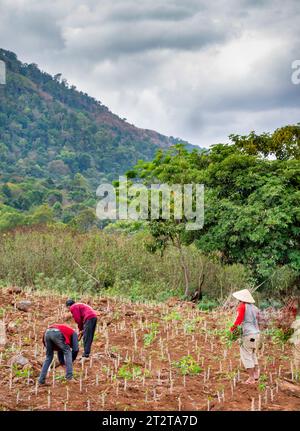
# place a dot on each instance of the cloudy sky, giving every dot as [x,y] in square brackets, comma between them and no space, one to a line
[194,69]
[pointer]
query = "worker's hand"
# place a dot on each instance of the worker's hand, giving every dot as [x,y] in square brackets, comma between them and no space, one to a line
[67,315]
[233,328]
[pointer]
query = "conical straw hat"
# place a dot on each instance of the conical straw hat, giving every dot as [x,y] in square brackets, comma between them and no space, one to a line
[244,296]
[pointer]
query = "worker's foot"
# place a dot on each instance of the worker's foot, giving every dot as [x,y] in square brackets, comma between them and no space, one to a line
[69,379]
[250,381]
[43,384]
[84,358]
[256,374]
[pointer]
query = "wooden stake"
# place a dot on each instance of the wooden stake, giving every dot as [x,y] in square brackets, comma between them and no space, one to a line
[49,399]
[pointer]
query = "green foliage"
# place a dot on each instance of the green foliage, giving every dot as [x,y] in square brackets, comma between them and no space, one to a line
[173,315]
[150,337]
[251,203]
[21,373]
[262,382]
[130,371]
[279,335]
[207,304]
[57,144]
[187,365]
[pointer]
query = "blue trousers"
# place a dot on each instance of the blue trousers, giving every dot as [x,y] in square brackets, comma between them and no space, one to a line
[54,340]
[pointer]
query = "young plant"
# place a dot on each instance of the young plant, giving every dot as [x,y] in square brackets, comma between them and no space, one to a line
[131,371]
[262,382]
[174,315]
[151,335]
[187,365]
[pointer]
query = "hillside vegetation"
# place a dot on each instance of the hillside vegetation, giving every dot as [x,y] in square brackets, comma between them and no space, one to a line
[58,144]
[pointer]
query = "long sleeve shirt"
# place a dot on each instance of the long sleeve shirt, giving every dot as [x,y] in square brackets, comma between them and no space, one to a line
[240,316]
[81,313]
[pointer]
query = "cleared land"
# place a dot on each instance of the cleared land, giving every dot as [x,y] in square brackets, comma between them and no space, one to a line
[145,357]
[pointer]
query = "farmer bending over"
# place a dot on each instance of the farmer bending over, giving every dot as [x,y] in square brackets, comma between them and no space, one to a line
[86,319]
[247,318]
[61,338]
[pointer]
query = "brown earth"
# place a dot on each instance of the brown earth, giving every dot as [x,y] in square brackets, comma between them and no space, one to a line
[119,339]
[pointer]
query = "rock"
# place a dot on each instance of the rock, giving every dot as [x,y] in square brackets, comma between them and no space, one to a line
[14,289]
[12,328]
[24,305]
[130,313]
[3,339]
[19,360]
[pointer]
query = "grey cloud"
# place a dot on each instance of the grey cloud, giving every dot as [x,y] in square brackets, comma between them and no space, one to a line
[196,69]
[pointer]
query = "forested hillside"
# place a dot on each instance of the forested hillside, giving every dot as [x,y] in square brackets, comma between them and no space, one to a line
[57,144]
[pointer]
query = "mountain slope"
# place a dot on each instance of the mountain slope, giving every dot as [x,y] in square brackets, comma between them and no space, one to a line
[52,129]
[57,145]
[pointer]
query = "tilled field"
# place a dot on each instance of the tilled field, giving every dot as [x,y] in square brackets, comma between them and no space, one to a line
[144,357]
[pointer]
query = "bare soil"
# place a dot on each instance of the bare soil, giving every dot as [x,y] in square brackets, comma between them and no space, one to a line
[119,339]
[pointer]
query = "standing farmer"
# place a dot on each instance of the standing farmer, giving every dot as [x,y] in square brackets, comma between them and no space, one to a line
[247,318]
[61,338]
[86,319]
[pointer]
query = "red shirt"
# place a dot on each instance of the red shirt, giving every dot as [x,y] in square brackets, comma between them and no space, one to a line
[66,330]
[240,317]
[82,313]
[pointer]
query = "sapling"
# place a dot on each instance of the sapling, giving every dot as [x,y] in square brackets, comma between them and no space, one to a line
[49,399]
[154,394]
[179,404]
[208,372]
[10,379]
[271,378]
